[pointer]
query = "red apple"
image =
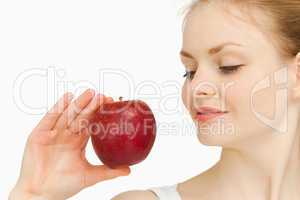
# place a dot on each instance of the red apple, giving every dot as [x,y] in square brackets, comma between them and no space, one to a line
[122,132]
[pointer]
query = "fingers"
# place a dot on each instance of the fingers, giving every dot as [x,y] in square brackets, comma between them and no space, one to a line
[43,137]
[81,121]
[51,117]
[109,100]
[74,109]
[98,173]
[80,124]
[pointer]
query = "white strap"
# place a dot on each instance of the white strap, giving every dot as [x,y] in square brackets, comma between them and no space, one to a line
[166,192]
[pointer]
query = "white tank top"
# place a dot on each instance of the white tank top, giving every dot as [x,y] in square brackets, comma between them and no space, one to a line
[168,192]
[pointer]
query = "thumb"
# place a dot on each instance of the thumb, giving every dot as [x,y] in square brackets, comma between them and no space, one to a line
[98,173]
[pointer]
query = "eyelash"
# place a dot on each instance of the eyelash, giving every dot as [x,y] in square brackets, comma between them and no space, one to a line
[224,70]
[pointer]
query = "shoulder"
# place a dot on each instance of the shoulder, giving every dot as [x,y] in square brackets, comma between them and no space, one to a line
[136,195]
[202,186]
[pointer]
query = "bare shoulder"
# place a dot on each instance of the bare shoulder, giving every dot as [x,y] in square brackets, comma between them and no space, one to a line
[198,187]
[135,195]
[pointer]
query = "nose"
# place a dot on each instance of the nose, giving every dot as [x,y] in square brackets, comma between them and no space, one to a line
[201,96]
[204,87]
[205,91]
[205,94]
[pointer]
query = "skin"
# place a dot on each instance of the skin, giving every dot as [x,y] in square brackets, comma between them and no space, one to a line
[257,162]
[54,164]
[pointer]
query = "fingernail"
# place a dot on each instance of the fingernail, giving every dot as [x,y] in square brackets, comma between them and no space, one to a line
[70,95]
[92,91]
[109,99]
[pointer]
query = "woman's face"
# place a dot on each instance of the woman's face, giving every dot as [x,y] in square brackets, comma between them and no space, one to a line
[239,43]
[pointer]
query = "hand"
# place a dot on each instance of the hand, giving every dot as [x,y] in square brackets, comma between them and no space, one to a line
[54,164]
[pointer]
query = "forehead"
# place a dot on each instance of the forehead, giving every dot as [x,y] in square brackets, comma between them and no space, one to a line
[210,24]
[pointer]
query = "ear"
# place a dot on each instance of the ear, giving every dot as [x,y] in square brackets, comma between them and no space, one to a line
[296,90]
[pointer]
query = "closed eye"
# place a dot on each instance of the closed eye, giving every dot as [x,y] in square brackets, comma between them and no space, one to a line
[223,69]
[229,69]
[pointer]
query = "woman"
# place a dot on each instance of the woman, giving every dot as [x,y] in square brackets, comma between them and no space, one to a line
[229,49]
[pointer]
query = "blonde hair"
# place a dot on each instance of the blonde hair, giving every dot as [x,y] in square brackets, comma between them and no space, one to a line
[285,15]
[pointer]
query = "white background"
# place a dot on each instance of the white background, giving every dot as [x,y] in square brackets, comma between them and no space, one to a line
[78,39]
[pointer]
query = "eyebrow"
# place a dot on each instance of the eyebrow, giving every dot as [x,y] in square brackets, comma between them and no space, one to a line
[211,51]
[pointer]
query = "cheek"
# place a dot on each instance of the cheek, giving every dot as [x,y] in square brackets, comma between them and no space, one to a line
[236,102]
[247,115]
[263,102]
[235,97]
[185,96]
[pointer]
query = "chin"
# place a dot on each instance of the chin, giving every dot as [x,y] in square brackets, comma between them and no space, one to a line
[212,140]
[211,135]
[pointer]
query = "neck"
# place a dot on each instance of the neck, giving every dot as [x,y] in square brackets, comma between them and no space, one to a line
[264,169]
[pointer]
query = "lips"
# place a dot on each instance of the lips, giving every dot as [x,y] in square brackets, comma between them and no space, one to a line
[208,109]
[205,113]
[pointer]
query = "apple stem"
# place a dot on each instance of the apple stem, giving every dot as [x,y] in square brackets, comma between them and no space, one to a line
[120,98]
